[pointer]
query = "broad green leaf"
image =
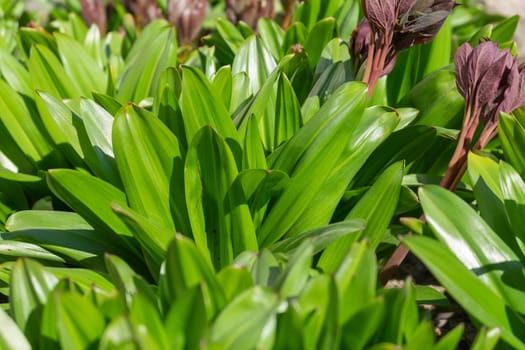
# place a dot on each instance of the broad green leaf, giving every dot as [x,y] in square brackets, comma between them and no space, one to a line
[321,237]
[235,279]
[458,226]
[91,198]
[360,329]
[318,37]
[295,275]
[377,207]
[186,268]
[80,67]
[484,175]
[65,234]
[219,214]
[79,323]
[167,106]
[422,338]
[253,156]
[319,308]
[407,144]
[148,156]
[255,60]
[436,93]
[401,314]
[513,192]
[118,334]
[86,279]
[272,36]
[48,75]
[141,72]
[153,239]
[288,118]
[451,339]
[11,250]
[486,339]
[505,30]
[11,338]
[242,322]
[65,127]
[186,321]
[97,146]
[356,279]
[15,73]
[127,281]
[306,157]
[223,82]
[202,106]
[147,323]
[22,125]
[231,35]
[375,126]
[468,289]
[512,138]
[30,286]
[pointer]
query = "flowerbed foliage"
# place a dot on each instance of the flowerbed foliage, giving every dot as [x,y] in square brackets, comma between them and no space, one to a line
[199,182]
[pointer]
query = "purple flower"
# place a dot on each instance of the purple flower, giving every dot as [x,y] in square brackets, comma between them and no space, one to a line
[249,11]
[491,81]
[187,16]
[390,26]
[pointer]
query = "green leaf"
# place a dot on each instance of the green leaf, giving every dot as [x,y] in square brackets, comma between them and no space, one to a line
[320,237]
[29,290]
[504,31]
[451,339]
[458,226]
[295,275]
[219,215]
[486,339]
[356,279]
[360,329]
[91,198]
[22,125]
[242,322]
[148,156]
[141,72]
[80,67]
[47,74]
[97,123]
[306,156]
[272,36]
[79,323]
[202,106]
[468,289]
[153,239]
[288,118]
[320,34]
[186,321]
[512,137]
[319,308]
[15,73]
[186,268]
[11,250]
[436,93]
[11,338]
[86,279]
[513,192]
[147,324]
[377,207]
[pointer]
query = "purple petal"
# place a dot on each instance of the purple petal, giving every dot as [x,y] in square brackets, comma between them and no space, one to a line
[461,61]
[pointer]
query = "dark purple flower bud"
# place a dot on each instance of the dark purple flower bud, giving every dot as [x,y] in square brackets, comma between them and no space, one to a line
[491,82]
[421,22]
[144,11]
[187,16]
[249,11]
[381,14]
[489,79]
[94,12]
